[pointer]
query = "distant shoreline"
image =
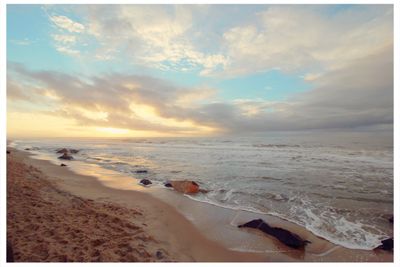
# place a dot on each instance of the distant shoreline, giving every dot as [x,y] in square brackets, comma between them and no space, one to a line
[156,216]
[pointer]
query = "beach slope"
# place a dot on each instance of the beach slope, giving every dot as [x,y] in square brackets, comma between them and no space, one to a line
[55,215]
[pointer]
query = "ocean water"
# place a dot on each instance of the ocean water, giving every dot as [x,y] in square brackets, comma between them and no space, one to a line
[338,186]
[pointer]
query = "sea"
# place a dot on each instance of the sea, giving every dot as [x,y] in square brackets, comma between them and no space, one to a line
[338,185]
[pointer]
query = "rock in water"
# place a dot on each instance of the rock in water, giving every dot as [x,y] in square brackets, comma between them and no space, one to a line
[186,187]
[387,244]
[66,156]
[8,152]
[63,165]
[288,238]
[145,181]
[141,171]
[168,185]
[391,219]
[73,151]
[62,151]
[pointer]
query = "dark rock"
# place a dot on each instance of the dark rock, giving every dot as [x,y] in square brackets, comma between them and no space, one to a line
[8,152]
[288,238]
[141,171]
[159,255]
[62,151]
[145,181]
[73,151]
[63,165]
[168,185]
[10,253]
[27,149]
[387,244]
[252,224]
[66,156]
[391,219]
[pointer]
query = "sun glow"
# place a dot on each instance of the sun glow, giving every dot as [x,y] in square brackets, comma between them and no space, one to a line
[113,131]
[149,113]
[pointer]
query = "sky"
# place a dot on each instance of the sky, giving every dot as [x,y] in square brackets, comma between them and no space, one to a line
[197,70]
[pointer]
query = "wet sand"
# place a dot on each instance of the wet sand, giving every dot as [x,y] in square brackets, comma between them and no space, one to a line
[63,216]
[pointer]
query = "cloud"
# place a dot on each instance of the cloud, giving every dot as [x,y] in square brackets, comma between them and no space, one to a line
[67,50]
[307,38]
[15,92]
[156,36]
[66,43]
[65,39]
[358,95]
[66,23]
[120,101]
[304,39]
[23,42]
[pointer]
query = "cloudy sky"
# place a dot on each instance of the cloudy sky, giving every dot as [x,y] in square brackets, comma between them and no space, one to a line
[188,70]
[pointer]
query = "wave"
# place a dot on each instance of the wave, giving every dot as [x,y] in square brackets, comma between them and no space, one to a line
[275,145]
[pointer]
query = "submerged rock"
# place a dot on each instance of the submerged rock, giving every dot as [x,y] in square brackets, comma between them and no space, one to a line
[141,171]
[62,151]
[27,149]
[391,219]
[63,165]
[66,150]
[288,238]
[145,182]
[66,156]
[186,187]
[8,152]
[168,185]
[387,244]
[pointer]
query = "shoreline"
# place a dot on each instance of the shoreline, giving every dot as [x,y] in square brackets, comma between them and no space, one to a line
[181,224]
[173,233]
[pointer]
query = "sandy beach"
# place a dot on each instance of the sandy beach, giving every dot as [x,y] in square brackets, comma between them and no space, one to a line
[46,222]
[56,215]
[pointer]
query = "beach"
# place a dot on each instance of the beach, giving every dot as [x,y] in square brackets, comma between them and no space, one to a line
[57,215]
[49,220]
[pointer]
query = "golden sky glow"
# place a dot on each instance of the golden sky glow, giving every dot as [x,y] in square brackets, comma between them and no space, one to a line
[24,125]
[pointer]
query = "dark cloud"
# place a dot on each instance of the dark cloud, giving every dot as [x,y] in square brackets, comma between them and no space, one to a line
[15,92]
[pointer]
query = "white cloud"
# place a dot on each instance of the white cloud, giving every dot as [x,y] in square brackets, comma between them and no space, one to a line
[67,24]
[307,38]
[150,35]
[67,50]
[66,43]
[65,39]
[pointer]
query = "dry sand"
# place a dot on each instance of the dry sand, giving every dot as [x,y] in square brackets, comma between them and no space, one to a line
[54,214]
